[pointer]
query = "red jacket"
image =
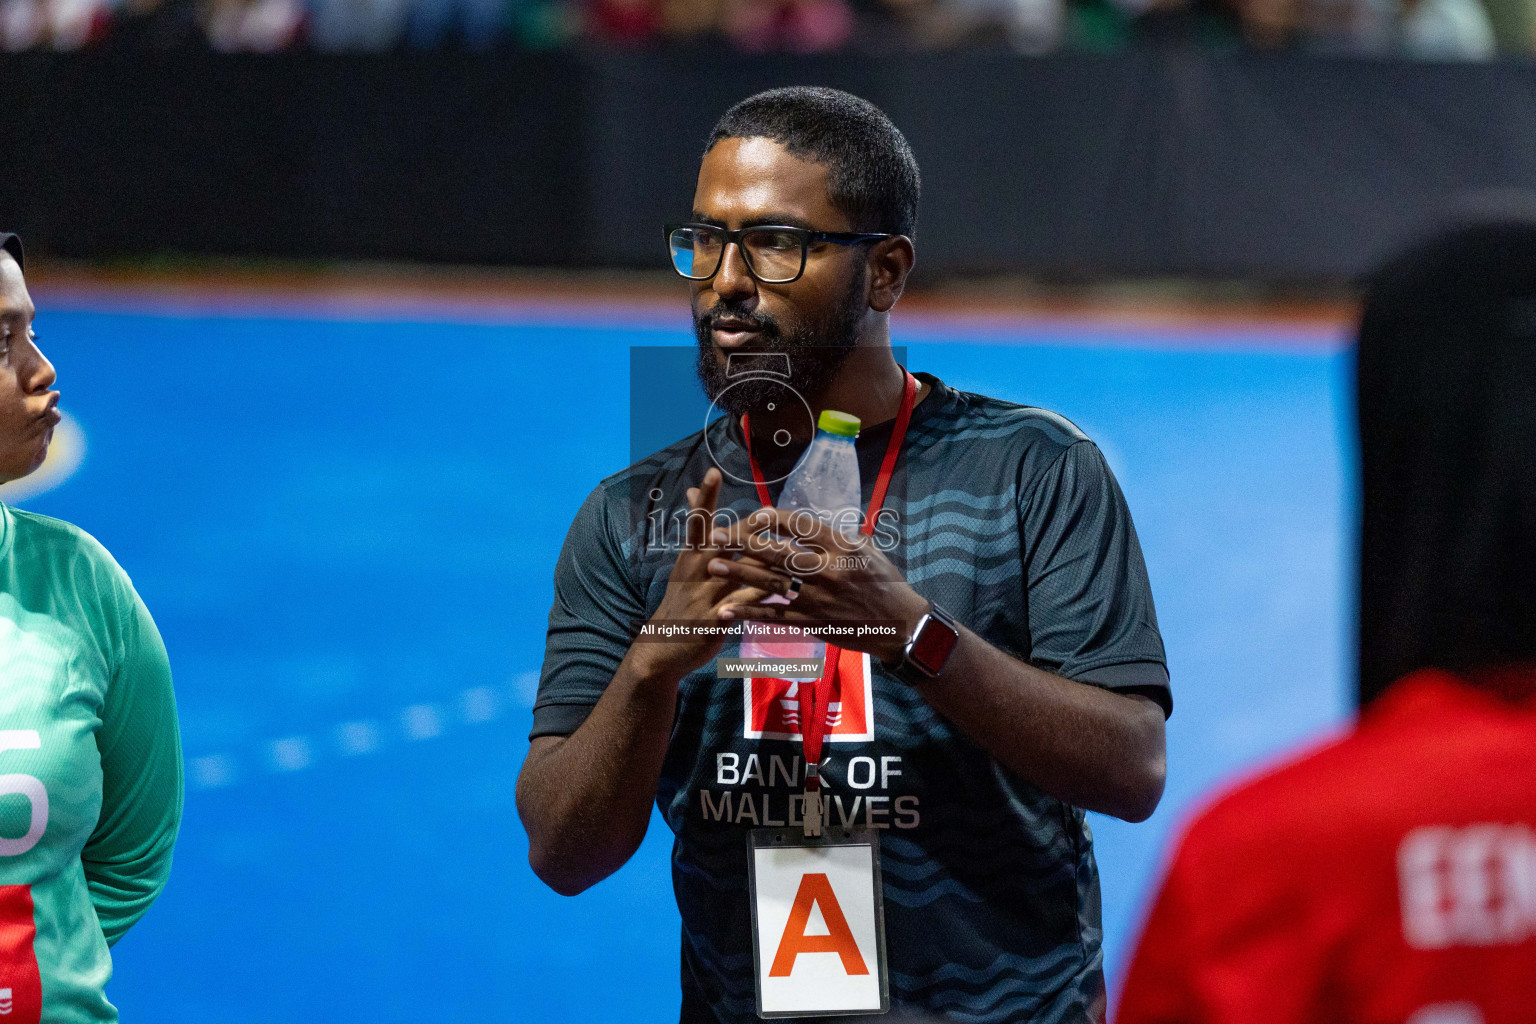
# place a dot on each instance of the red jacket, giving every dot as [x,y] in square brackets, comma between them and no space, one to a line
[1389,876]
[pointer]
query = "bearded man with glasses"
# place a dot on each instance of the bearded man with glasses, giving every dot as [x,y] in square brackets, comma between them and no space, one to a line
[1023,680]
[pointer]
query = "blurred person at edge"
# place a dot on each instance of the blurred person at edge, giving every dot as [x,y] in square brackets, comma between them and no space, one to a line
[357,26]
[53,24]
[252,26]
[1027,26]
[1052,695]
[690,19]
[1420,29]
[625,22]
[1390,875]
[640,22]
[471,24]
[795,26]
[88,734]
[1424,29]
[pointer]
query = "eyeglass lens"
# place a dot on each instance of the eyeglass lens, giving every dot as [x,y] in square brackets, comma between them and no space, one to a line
[773,255]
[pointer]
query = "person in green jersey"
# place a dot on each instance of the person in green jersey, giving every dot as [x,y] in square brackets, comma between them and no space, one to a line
[90,753]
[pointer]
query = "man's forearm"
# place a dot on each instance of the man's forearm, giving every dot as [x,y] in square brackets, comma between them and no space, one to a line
[1087,746]
[1082,744]
[585,799]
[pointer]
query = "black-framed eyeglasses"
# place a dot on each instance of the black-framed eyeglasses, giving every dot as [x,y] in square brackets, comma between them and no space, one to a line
[774,254]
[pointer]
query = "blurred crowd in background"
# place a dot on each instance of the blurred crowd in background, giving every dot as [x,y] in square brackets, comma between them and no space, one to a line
[1429,29]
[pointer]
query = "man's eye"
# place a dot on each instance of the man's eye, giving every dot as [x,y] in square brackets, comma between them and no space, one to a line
[777,241]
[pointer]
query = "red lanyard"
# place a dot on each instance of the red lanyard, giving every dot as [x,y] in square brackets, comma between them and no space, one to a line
[887,464]
[814,697]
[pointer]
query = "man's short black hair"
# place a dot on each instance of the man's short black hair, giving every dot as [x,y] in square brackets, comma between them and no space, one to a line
[873,175]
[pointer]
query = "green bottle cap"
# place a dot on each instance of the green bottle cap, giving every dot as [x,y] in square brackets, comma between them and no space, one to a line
[839,423]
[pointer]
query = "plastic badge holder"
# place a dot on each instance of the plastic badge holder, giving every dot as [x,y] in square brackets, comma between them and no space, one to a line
[790,838]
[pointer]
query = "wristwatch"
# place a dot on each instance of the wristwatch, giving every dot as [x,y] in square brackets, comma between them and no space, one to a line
[929,648]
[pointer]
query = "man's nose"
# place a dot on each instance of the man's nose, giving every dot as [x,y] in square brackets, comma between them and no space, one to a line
[733,280]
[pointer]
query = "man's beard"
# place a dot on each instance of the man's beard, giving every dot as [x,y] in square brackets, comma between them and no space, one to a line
[816,351]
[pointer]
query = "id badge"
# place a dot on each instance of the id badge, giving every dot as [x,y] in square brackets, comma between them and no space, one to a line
[818,925]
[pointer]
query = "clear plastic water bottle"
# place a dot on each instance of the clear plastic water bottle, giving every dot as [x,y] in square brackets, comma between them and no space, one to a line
[826,482]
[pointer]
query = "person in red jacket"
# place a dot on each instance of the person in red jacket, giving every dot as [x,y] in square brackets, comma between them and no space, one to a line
[1390,875]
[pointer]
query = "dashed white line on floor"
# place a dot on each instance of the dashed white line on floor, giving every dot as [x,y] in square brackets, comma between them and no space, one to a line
[476,705]
[357,737]
[422,722]
[479,704]
[213,771]
[290,754]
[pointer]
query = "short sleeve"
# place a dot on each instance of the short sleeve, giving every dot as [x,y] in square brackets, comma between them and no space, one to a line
[128,858]
[592,622]
[1091,616]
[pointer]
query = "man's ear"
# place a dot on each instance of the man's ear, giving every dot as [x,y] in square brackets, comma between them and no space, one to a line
[890,261]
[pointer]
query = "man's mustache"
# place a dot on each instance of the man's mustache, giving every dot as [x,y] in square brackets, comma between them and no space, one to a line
[758,322]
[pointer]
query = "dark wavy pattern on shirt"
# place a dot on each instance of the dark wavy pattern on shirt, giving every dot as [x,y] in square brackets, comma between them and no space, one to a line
[1008,518]
[980,990]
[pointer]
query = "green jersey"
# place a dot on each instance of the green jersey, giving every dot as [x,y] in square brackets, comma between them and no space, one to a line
[90,769]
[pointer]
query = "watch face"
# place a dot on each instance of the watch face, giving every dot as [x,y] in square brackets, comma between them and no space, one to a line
[931,646]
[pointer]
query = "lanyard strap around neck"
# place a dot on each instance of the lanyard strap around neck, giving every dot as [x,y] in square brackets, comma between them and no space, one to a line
[887,464]
[816,696]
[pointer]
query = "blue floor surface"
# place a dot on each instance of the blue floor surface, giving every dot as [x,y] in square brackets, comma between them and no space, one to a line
[346,533]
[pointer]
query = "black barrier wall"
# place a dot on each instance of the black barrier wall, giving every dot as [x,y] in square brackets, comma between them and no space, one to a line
[1158,161]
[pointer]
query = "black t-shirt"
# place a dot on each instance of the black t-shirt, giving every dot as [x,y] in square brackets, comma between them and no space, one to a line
[1009,519]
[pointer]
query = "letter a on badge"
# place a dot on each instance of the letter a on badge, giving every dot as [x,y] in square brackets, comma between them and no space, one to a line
[816,889]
